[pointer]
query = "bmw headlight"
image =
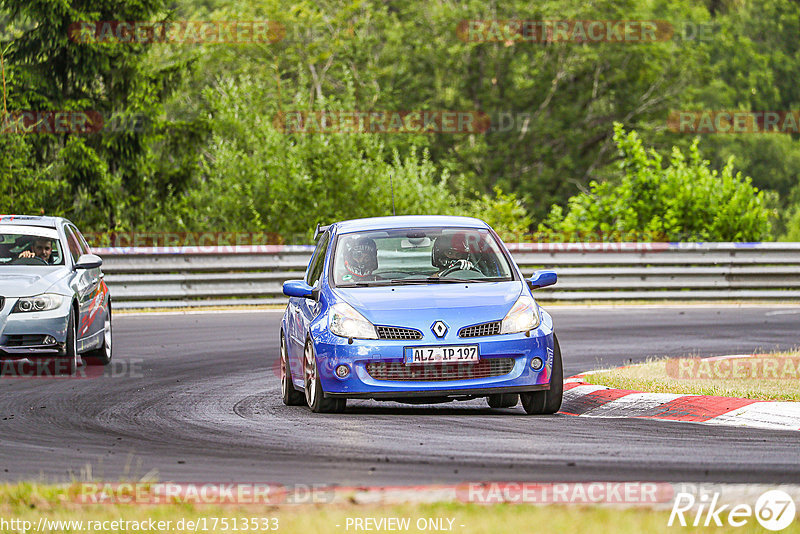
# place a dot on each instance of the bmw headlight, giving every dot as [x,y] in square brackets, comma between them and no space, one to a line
[345,321]
[43,302]
[522,317]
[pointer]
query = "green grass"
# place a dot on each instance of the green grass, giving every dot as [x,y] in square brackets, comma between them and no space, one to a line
[30,502]
[652,376]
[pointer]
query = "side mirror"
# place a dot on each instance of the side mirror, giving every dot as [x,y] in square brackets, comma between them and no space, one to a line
[542,279]
[88,261]
[298,288]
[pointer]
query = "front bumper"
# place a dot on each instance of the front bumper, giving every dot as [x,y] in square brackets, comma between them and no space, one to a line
[333,351]
[52,323]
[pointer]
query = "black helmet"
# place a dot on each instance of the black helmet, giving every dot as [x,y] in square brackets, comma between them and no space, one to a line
[361,257]
[449,249]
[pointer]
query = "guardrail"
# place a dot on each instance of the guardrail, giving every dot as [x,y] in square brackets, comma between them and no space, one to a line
[213,276]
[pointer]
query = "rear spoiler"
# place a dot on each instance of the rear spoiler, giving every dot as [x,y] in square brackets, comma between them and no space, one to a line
[320,230]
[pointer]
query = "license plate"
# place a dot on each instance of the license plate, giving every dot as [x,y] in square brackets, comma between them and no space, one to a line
[445,354]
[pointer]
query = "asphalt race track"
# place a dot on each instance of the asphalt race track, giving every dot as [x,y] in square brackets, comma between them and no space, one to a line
[196,398]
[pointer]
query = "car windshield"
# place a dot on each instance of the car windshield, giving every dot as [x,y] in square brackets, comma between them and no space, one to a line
[35,246]
[418,255]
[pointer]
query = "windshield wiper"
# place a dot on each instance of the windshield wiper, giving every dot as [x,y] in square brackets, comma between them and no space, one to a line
[428,280]
[418,281]
[366,284]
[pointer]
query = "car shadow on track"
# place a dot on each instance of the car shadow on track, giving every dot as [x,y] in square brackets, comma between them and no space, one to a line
[436,410]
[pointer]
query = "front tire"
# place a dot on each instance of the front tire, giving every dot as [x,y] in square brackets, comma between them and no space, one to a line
[69,363]
[291,397]
[315,395]
[102,354]
[503,400]
[549,401]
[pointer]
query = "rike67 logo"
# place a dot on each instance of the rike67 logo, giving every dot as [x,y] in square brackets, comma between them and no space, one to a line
[774,510]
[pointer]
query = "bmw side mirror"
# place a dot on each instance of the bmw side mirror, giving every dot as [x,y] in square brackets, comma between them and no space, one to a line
[88,261]
[542,279]
[298,288]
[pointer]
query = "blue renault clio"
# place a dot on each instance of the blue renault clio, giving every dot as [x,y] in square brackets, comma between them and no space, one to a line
[417,309]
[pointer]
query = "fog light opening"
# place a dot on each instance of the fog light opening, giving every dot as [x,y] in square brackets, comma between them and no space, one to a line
[49,340]
[537,364]
[342,371]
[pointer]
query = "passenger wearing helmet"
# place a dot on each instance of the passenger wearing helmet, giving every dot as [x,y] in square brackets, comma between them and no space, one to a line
[451,252]
[361,259]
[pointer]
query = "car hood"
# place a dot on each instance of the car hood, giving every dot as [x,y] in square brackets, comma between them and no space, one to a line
[419,306]
[28,281]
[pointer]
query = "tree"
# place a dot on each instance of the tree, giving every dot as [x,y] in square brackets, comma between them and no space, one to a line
[109,174]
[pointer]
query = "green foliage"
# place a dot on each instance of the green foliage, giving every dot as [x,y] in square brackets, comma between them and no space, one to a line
[792,225]
[504,212]
[257,177]
[107,174]
[211,157]
[684,200]
[22,190]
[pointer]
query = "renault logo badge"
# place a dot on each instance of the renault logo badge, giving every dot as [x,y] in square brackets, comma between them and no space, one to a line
[439,329]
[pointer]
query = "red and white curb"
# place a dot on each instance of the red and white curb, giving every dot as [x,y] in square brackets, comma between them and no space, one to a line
[589,400]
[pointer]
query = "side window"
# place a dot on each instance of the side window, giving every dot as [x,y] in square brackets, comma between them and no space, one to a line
[72,244]
[81,241]
[318,261]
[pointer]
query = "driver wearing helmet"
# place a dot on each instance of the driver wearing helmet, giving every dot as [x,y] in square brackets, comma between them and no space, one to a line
[361,259]
[451,252]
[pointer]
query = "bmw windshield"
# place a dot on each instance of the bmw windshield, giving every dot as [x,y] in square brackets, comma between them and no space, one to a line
[418,256]
[21,245]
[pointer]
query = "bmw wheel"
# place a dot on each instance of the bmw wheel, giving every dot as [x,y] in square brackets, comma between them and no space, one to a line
[69,363]
[291,397]
[548,401]
[315,395]
[102,354]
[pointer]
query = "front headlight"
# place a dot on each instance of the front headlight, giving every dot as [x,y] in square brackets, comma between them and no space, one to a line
[43,302]
[522,317]
[345,321]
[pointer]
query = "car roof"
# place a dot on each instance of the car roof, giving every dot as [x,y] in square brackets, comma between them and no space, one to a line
[31,220]
[409,221]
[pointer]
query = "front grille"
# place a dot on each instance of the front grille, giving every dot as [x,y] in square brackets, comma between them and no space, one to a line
[437,372]
[479,330]
[394,332]
[26,340]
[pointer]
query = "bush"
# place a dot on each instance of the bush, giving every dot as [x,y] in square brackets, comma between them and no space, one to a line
[792,225]
[504,212]
[686,200]
[258,178]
